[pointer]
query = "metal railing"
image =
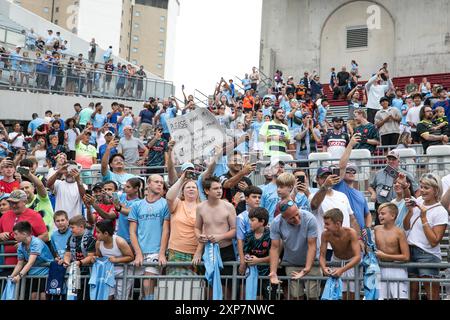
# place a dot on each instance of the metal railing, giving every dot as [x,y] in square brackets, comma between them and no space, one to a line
[195,287]
[60,79]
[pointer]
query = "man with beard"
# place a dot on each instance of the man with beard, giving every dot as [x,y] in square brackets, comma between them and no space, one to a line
[269,198]
[275,134]
[425,129]
[336,139]
[69,192]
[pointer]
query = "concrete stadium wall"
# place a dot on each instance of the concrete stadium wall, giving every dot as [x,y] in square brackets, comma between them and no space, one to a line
[293,30]
[21,105]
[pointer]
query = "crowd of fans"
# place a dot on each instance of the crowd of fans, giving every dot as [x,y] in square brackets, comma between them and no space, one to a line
[44,65]
[47,183]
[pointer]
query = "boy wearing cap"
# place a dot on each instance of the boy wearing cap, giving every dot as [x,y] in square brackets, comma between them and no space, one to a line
[387,120]
[109,136]
[336,139]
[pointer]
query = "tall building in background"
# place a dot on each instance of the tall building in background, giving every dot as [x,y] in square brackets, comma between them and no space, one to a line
[143,36]
[147,27]
[63,13]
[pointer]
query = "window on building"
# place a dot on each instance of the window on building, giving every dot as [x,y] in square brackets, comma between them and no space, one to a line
[46,10]
[161,30]
[161,43]
[136,25]
[137,14]
[159,66]
[76,3]
[160,54]
[57,9]
[135,49]
[357,37]
[56,21]
[162,18]
[135,38]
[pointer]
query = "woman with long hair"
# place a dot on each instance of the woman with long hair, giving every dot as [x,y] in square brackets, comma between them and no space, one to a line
[183,198]
[40,152]
[425,225]
[133,191]
[404,141]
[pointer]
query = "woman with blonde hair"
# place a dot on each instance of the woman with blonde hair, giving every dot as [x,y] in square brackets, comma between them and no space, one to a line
[404,141]
[425,224]
[183,198]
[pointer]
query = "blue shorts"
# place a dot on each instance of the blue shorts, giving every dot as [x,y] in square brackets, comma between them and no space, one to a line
[420,256]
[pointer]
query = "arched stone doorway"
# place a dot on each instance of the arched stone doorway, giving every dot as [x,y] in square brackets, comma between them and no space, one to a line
[334,50]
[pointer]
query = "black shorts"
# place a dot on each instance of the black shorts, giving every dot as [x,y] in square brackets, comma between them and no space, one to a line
[36,285]
[227,254]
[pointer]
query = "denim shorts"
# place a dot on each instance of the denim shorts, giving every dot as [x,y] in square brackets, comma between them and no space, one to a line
[420,256]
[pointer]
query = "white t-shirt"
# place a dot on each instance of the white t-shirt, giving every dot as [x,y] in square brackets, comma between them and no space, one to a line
[18,143]
[416,236]
[71,137]
[41,157]
[414,116]
[337,200]
[445,184]
[68,198]
[376,92]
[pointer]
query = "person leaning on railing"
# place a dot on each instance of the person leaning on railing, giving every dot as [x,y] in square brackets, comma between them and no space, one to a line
[183,198]
[425,225]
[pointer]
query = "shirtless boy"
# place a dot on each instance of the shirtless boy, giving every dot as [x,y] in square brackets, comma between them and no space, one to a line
[391,246]
[216,222]
[346,249]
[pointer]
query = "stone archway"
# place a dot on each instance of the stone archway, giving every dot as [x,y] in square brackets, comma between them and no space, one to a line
[333,44]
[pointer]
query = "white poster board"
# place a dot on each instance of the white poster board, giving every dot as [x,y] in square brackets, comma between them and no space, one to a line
[196,134]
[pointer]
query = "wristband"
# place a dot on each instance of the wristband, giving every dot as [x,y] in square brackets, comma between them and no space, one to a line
[20,275]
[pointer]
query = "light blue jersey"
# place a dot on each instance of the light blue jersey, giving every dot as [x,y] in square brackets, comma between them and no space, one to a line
[213,264]
[40,249]
[126,121]
[59,241]
[102,279]
[242,225]
[99,120]
[169,114]
[270,199]
[124,226]
[149,218]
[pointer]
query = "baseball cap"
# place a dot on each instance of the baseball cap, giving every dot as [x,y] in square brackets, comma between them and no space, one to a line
[98,185]
[17,195]
[18,47]
[394,154]
[352,166]
[187,165]
[322,171]
[109,132]
[337,119]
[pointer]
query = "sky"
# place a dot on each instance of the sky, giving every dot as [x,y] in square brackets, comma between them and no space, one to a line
[214,38]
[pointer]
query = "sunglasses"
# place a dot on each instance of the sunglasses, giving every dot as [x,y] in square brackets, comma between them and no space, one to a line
[286,206]
[351,171]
